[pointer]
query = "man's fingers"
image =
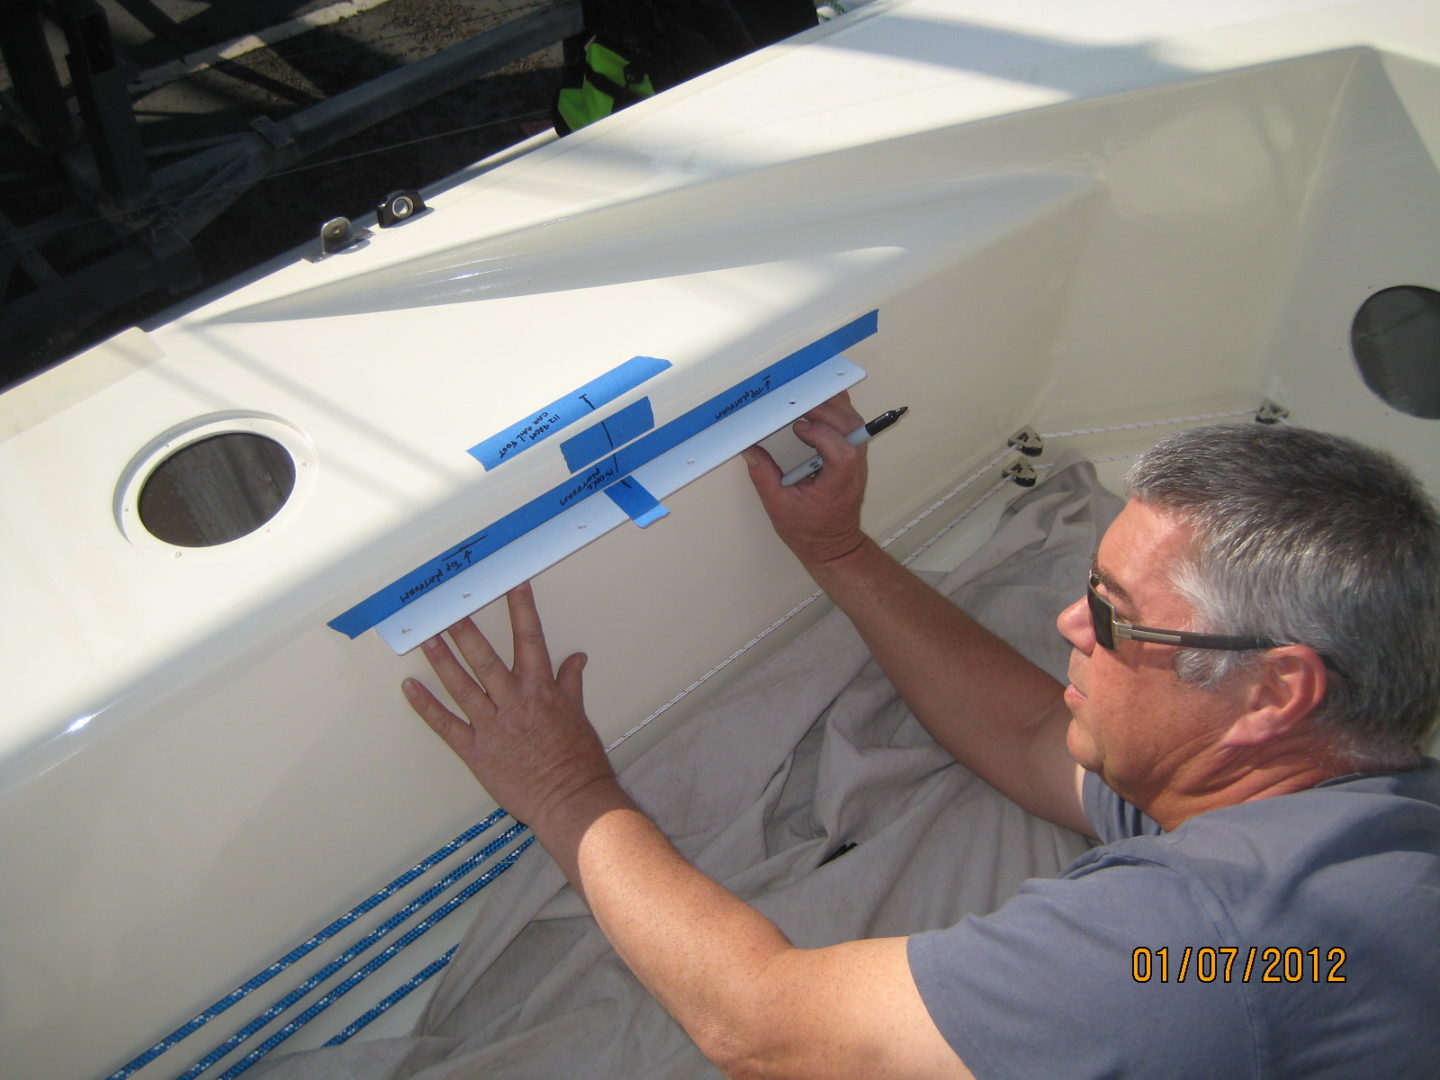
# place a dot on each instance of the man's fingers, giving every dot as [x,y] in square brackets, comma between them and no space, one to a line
[829,442]
[569,676]
[532,656]
[838,412]
[484,661]
[764,473]
[470,695]
[824,437]
[457,734]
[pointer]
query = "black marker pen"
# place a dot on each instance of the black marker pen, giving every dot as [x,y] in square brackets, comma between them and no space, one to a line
[863,434]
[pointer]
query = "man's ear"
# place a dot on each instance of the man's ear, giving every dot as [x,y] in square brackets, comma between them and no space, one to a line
[1286,688]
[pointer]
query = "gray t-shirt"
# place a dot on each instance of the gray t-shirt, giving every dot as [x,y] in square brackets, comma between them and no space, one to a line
[1215,950]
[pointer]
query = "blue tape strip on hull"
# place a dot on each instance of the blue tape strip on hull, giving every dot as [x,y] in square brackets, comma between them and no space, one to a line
[639,505]
[599,476]
[560,414]
[600,439]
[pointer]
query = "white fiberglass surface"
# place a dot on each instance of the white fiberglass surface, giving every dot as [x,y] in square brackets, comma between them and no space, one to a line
[197,772]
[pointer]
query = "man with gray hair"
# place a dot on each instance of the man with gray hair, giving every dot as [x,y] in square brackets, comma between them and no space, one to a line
[1255,663]
[1301,536]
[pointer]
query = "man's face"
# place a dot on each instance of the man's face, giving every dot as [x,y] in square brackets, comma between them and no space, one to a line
[1132,720]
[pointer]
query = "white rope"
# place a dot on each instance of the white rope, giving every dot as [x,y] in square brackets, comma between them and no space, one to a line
[1140,424]
[977,474]
[719,667]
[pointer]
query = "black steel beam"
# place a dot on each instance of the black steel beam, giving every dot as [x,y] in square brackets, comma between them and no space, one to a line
[149,15]
[100,82]
[35,84]
[177,201]
[218,176]
[404,88]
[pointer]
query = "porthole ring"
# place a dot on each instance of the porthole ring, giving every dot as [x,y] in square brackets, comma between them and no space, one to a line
[284,450]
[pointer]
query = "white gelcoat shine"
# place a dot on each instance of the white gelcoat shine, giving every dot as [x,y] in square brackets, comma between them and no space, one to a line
[1069,216]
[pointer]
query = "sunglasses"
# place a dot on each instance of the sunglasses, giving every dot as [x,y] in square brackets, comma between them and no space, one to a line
[1108,628]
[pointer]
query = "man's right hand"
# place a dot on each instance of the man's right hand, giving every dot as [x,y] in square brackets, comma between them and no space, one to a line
[992,709]
[818,518]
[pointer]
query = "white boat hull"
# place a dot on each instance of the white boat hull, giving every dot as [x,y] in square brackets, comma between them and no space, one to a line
[1088,219]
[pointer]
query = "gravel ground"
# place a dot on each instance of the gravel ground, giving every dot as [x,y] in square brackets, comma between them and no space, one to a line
[412,150]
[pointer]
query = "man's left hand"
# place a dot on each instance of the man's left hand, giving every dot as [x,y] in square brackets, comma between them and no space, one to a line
[524,734]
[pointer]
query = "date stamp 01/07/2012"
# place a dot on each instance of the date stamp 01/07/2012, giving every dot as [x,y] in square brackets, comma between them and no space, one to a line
[1233,963]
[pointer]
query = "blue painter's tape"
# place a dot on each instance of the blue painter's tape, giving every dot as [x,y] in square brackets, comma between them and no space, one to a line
[598,476]
[742,393]
[543,423]
[600,439]
[472,549]
[639,505]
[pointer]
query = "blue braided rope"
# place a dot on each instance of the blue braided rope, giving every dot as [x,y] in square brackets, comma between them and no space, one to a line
[390,1000]
[305,948]
[376,962]
[363,945]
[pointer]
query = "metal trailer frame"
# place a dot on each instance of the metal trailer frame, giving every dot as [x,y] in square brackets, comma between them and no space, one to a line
[126,228]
